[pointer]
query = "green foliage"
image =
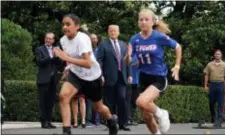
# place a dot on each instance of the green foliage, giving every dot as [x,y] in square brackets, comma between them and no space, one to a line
[16,52]
[199,35]
[198,26]
[22,101]
[185,103]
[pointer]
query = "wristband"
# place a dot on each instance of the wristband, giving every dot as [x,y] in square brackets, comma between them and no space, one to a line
[177,66]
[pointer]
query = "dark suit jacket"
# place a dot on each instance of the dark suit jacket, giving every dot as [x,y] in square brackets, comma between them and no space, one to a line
[106,57]
[46,66]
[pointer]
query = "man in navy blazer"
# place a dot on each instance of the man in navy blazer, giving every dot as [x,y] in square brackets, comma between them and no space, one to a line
[116,74]
[47,79]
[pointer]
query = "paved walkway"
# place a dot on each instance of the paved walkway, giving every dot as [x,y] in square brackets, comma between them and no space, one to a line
[34,128]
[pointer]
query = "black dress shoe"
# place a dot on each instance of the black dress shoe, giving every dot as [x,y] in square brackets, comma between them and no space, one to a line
[51,125]
[44,125]
[218,124]
[124,128]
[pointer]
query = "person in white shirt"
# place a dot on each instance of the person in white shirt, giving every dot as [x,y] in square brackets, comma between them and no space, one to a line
[84,76]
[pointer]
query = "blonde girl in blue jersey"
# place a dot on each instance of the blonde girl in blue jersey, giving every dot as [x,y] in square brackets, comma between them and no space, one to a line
[148,47]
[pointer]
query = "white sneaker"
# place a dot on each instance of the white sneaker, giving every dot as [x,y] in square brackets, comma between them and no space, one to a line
[164,121]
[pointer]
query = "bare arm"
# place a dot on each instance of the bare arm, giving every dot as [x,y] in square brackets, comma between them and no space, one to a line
[175,70]
[178,55]
[128,57]
[206,80]
[85,62]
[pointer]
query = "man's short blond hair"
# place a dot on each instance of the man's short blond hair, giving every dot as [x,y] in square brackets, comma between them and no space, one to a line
[114,26]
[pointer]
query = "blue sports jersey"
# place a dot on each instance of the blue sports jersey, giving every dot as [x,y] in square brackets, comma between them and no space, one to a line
[135,70]
[150,52]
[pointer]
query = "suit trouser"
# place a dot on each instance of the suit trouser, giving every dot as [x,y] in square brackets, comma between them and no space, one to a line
[115,99]
[132,94]
[47,98]
[216,94]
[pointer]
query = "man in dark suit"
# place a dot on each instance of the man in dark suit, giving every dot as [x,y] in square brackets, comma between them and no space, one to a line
[110,56]
[47,79]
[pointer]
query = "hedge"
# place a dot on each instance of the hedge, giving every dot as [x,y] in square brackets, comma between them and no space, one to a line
[184,103]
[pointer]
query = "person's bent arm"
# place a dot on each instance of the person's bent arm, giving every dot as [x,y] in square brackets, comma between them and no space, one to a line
[84,62]
[128,57]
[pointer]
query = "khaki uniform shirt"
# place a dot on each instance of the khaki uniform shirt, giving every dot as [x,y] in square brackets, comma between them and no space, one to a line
[216,71]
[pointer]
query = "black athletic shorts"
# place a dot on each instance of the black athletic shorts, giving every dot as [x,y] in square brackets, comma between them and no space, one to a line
[92,90]
[145,80]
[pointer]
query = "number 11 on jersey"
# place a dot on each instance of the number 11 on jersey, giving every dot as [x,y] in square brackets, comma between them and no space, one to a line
[146,59]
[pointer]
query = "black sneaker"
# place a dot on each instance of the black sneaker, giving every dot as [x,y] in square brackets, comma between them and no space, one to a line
[66,131]
[112,125]
[83,125]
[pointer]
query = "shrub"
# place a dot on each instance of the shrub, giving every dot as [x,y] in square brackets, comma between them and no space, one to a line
[184,103]
[16,52]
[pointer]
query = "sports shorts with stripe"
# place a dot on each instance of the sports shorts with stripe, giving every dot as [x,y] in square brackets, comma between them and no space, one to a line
[145,80]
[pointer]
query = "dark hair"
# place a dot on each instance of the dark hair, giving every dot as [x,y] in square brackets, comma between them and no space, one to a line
[74,17]
[218,50]
[99,39]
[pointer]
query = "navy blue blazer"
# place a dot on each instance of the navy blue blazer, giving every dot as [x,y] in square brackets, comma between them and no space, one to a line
[106,56]
[47,66]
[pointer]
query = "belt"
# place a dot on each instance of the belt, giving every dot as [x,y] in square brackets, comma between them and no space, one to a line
[216,81]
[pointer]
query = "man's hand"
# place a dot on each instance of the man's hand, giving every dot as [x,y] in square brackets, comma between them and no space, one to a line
[53,53]
[130,79]
[206,89]
[58,52]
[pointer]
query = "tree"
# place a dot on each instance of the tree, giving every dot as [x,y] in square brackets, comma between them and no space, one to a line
[205,34]
[193,24]
[200,34]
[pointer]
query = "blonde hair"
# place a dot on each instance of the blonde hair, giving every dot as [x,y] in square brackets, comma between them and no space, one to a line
[159,25]
[114,26]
